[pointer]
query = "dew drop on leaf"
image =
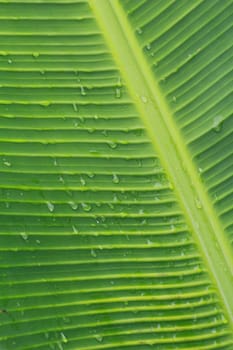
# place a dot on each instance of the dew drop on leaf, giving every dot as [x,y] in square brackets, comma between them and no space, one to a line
[112,144]
[82,180]
[75,230]
[139,31]
[217,123]
[73,205]
[118,93]
[144,99]
[63,338]
[24,236]
[75,108]
[7,163]
[98,337]
[86,206]
[50,206]
[93,253]
[83,92]
[115,179]
[198,203]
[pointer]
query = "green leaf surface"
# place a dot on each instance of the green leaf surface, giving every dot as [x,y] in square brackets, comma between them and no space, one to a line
[116,172]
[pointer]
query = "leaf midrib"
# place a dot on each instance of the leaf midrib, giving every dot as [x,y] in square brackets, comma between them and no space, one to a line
[168,143]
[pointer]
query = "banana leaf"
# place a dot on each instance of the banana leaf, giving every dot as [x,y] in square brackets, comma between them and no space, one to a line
[116,175]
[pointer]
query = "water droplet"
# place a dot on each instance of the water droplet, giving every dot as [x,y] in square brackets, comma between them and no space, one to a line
[63,338]
[200,170]
[112,144]
[91,175]
[55,161]
[75,107]
[118,93]
[198,203]
[45,103]
[144,99]
[60,347]
[37,241]
[174,98]
[74,228]
[61,179]
[9,61]
[24,236]
[82,180]
[148,47]
[217,123]
[139,31]
[7,163]
[104,132]
[35,54]
[83,92]
[93,253]
[50,206]
[46,335]
[115,179]
[86,206]
[149,242]
[73,205]
[96,116]
[98,337]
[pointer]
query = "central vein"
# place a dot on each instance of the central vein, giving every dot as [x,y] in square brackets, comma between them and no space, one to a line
[167,141]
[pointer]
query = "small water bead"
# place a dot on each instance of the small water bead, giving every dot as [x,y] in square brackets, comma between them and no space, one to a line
[50,206]
[112,144]
[118,93]
[83,92]
[98,337]
[217,123]
[55,161]
[148,47]
[37,241]
[93,253]
[66,320]
[61,179]
[75,107]
[46,335]
[105,133]
[45,103]
[9,61]
[24,236]
[75,230]
[144,99]
[200,170]
[90,175]
[73,205]
[63,338]
[60,347]
[82,180]
[174,98]
[115,179]
[7,163]
[139,31]
[198,203]
[35,54]
[86,206]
